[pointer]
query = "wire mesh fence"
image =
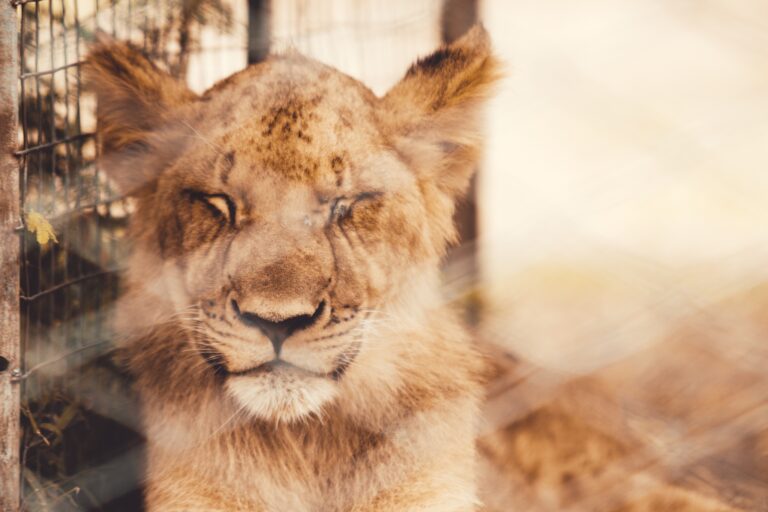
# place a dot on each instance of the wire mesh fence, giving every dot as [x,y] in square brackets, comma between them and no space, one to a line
[72,246]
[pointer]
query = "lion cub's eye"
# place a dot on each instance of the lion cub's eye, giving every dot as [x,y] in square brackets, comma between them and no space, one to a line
[343,206]
[220,205]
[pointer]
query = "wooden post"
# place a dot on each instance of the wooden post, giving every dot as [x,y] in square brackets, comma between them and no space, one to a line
[10,362]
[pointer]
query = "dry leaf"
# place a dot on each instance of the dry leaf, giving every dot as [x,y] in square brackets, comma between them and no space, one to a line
[40,226]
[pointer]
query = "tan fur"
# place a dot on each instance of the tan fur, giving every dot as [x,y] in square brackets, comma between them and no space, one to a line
[290,191]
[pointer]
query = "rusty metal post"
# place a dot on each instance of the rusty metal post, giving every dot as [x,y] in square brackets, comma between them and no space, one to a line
[9,261]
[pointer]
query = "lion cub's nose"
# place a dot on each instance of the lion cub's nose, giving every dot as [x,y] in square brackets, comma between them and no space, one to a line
[277,332]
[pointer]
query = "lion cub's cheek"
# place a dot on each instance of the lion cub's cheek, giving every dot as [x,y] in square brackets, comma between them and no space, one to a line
[281,397]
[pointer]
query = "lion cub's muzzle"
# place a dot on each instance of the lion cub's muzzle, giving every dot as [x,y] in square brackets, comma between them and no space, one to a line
[312,334]
[278,331]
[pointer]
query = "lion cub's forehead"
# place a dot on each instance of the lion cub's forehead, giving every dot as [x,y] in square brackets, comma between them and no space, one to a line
[293,117]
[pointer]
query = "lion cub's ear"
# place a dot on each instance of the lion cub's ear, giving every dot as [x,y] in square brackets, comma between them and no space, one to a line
[434,112]
[135,100]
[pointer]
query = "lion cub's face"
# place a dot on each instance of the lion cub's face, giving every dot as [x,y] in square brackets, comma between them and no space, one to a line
[287,205]
[288,222]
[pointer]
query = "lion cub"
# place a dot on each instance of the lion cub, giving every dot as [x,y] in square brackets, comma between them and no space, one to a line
[282,314]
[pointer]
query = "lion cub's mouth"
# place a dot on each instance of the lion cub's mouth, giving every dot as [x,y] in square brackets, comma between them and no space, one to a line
[287,391]
[276,365]
[282,366]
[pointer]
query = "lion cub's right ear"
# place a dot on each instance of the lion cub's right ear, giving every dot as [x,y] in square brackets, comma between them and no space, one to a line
[435,112]
[135,101]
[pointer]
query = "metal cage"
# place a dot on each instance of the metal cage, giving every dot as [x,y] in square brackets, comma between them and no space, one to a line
[69,438]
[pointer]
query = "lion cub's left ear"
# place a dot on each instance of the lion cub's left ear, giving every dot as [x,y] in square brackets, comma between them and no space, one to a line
[434,113]
[135,100]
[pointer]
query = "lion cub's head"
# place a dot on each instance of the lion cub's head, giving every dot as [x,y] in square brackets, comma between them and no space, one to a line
[286,208]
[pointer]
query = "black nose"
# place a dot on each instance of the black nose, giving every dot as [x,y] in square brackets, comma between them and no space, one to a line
[277,332]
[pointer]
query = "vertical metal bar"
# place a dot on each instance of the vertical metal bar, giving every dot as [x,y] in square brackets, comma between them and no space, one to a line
[67,309]
[52,340]
[109,291]
[26,314]
[258,30]
[9,262]
[113,14]
[129,21]
[79,164]
[156,28]
[146,30]
[38,128]
[90,302]
[457,17]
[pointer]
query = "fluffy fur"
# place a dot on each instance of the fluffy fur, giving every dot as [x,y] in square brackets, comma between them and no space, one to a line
[282,314]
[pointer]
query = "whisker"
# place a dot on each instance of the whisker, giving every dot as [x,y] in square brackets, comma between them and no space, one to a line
[200,136]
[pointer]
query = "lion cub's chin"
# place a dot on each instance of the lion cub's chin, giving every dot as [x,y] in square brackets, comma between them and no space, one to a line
[281,396]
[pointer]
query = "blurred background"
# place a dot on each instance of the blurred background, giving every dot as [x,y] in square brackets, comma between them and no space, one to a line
[612,253]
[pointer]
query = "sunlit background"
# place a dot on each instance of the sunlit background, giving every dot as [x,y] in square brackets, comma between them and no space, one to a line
[618,278]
